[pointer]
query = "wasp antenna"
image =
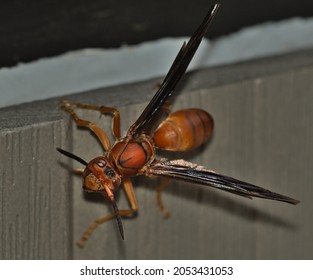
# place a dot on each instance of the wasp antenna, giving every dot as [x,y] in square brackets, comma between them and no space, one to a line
[118,218]
[70,155]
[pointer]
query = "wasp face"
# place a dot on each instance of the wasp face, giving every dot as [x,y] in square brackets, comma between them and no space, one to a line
[100,175]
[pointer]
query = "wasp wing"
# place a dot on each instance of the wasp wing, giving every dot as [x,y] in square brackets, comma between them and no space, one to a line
[189,172]
[155,109]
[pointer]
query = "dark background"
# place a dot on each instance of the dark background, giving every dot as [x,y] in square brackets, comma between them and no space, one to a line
[40,28]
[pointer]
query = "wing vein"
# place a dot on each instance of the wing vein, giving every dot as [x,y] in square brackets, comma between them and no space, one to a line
[189,172]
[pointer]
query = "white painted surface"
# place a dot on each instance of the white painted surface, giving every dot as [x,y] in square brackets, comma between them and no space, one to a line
[93,68]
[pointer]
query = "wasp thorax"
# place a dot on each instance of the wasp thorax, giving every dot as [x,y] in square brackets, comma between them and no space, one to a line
[132,155]
[99,174]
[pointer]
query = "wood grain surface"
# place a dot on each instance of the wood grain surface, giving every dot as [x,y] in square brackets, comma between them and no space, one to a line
[263,134]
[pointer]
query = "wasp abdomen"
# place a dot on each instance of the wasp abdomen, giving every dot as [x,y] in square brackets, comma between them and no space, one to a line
[184,130]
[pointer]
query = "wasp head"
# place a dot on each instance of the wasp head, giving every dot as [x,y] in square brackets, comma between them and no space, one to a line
[100,176]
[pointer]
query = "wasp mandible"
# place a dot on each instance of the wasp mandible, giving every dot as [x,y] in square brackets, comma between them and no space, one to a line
[134,154]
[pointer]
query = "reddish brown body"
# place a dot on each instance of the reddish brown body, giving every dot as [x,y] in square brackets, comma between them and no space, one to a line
[131,155]
[134,154]
[184,130]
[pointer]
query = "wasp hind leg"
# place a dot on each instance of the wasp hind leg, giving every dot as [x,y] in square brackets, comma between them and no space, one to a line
[159,189]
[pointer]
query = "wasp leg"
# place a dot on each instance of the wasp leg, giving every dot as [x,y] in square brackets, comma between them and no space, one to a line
[81,243]
[103,110]
[103,138]
[128,188]
[79,171]
[160,188]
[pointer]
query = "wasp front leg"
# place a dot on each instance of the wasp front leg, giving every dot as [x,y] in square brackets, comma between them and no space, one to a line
[79,171]
[130,195]
[101,135]
[103,110]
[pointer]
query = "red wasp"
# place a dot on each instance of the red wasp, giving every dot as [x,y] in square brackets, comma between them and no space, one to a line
[134,154]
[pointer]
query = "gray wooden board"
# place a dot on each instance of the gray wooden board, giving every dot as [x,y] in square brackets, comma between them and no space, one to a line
[35,200]
[263,134]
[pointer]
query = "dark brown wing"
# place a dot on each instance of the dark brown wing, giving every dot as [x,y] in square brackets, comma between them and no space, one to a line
[186,171]
[153,112]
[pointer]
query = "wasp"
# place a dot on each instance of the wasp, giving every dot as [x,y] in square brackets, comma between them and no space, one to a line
[135,153]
